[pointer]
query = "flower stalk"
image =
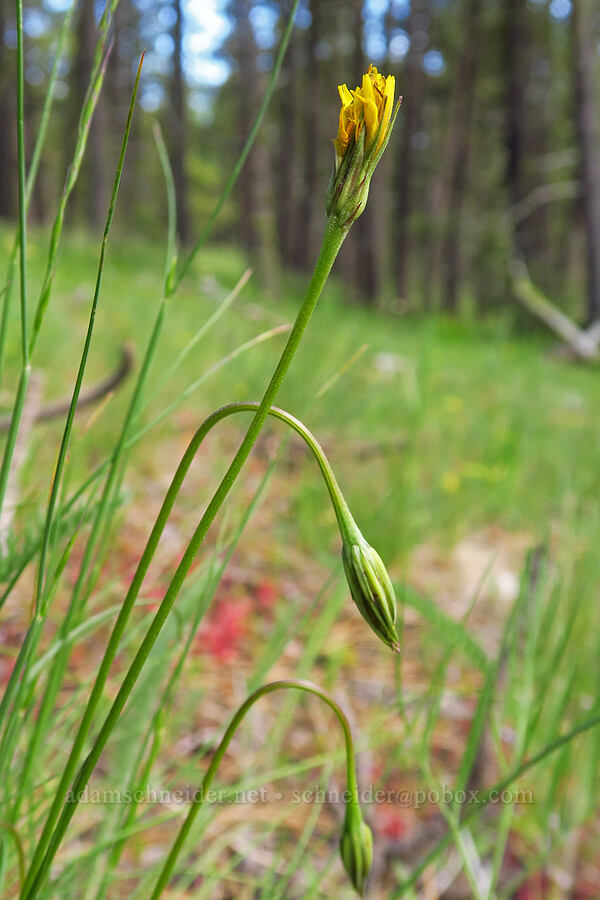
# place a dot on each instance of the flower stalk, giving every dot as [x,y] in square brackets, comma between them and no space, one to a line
[366,142]
[56,825]
[354,842]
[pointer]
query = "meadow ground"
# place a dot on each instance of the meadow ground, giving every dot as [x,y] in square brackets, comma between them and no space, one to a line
[464,449]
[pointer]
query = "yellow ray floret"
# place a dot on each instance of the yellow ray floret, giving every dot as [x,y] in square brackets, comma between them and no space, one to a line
[370,105]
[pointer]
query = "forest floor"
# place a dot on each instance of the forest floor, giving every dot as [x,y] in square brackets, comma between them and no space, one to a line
[463,449]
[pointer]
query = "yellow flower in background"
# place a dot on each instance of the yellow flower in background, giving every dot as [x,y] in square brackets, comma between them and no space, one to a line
[369,106]
[366,120]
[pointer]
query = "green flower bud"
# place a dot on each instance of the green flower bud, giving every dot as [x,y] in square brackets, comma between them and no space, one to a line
[371,589]
[356,847]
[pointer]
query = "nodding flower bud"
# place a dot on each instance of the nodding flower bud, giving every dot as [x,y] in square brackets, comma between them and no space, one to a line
[368,579]
[356,847]
[371,588]
[367,117]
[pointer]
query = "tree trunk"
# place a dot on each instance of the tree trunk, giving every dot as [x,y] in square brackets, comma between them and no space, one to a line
[364,232]
[179,126]
[245,53]
[287,154]
[93,183]
[589,147]
[515,65]
[305,227]
[458,150]
[540,115]
[411,123]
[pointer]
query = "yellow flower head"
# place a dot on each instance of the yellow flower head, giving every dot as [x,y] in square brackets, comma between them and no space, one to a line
[369,106]
[366,121]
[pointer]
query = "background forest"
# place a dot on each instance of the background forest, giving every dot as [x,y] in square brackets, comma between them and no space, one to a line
[498,150]
[464,437]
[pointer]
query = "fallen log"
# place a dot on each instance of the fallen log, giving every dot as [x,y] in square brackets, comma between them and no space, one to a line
[87,397]
[583,344]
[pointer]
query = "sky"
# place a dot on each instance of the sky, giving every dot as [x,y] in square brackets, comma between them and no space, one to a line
[208,26]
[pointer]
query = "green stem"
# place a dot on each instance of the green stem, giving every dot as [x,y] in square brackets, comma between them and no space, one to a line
[342,511]
[332,241]
[154,732]
[14,834]
[19,403]
[92,479]
[59,666]
[13,430]
[165,164]
[56,481]
[172,281]
[22,189]
[171,284]
[32,174]
[44,714]
[219,753]
[95,84]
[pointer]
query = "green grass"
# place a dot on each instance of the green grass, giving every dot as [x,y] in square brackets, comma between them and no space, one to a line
[475,424]
[464,427]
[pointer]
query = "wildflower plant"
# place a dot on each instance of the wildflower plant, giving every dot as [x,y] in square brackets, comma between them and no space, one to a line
[365,127]
[62,809]
[33,824]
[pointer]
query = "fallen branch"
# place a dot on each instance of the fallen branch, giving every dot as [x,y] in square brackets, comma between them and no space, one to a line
[543,195]
[584,344]
[94,394]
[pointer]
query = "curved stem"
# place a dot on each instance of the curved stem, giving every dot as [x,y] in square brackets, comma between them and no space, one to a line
[51,839]
[219,753]
[14,834]
[342,512]
[140,574]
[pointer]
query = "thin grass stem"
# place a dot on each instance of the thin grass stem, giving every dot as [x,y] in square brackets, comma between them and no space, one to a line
[491,794]
[21,183]
[39,612]
[87,111]
[34,164]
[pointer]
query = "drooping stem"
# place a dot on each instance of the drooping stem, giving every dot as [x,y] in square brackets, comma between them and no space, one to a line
[332,241]
[345,521]
[342,512]
[219,753]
